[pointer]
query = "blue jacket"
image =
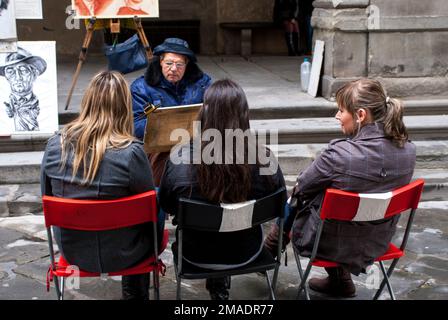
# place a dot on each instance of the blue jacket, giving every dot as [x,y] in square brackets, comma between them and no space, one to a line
[154,88]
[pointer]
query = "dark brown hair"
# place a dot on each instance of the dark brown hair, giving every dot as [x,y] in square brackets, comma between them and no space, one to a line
[369,94]
[225,107]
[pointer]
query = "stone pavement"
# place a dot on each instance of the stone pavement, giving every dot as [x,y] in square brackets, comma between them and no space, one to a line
[421,274]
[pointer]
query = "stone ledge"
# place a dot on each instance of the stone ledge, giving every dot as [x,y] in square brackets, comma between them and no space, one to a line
[396,87]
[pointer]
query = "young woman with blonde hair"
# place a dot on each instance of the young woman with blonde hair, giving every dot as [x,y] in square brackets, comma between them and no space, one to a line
[97,157]
[375,157]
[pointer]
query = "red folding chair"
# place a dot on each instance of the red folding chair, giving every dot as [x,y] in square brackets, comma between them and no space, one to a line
[348,206]
[98,215]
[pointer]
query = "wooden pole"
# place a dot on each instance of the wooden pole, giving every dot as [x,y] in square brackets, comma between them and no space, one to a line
[143,39]
[82,58]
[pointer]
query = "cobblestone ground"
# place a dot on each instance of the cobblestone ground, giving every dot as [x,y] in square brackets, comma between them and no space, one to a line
[421,274]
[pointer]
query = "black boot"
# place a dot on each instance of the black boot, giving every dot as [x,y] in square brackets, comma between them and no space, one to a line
[135,287]
[289,43]
[338,283]
[295,40]
[218,288]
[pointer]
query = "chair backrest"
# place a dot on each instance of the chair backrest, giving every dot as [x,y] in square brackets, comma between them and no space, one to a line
[96,215]
[349,206]
[203,216]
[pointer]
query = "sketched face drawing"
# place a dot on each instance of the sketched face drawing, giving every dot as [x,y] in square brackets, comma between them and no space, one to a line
[21,69]
[21,77]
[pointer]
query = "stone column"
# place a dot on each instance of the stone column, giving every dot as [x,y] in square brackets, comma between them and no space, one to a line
[403,43]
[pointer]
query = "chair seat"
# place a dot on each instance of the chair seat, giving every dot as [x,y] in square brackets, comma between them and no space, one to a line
[146,266]
[263,262]
[392,253]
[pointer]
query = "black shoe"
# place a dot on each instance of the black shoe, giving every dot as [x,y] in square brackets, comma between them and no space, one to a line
[135,287]
[218,288]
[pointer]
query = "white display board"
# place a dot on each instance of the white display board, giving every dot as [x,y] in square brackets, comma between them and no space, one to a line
[8,29]
[28,89]
[316,67]
[105,9]
[28,9]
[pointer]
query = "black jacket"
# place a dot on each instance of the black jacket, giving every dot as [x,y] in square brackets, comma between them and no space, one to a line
[285,10]
[228,248]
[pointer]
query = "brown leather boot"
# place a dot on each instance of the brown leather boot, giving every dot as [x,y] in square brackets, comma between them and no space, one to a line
[338,283]
[271,241]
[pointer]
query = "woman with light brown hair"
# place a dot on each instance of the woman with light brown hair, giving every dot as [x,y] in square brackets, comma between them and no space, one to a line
[97,157]
[375,157]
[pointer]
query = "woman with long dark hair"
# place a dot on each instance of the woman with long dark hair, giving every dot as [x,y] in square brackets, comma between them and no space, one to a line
[223,175]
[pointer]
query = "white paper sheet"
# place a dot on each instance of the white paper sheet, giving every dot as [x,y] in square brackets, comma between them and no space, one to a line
[316,67]
[13,112]
[8,29]
[28,9]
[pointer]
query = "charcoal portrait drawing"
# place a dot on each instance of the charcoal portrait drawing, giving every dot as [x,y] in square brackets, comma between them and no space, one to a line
[21,69]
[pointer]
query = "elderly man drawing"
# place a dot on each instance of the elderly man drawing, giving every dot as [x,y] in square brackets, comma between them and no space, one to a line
[21,69]
[172,78]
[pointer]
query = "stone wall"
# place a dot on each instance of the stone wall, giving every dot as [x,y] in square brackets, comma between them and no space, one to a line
[403,43]
[210,13]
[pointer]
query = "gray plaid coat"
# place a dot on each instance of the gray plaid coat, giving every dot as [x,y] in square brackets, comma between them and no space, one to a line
[368,163]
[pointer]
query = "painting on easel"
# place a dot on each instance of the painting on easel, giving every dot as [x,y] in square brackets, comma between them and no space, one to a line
[28,89]
[108,9]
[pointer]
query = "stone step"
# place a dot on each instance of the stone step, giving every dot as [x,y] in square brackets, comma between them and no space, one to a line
[289,131]
[317,108]
[25,199]
[24,167]
[306,109]
[294,158]
[322,130]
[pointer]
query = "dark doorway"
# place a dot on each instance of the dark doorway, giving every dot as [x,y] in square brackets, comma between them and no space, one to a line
[189,30]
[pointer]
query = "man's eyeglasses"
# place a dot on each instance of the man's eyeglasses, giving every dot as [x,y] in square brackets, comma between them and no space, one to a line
[170,64]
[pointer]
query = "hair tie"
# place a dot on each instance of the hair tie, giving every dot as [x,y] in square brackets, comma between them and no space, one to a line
[387,99]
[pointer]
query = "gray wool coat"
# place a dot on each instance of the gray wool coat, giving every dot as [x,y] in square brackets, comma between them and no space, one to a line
[122,172]
[368,163]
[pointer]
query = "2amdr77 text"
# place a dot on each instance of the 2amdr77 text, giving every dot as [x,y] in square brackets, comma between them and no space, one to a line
[236,309]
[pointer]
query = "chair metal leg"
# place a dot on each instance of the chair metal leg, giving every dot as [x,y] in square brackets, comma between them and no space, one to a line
[275,277]
[299,266]
[178,293]
[385,279]
[62,287]
[156,284]
[56,286]
[271,289]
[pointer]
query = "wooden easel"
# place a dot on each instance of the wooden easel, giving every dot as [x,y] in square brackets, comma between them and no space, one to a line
[114,28]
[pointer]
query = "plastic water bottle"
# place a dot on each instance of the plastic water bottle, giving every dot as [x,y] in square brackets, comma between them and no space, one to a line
[305,72]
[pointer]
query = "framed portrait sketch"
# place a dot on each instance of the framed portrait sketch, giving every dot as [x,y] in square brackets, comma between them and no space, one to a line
[28,89]
[106,9]
[7,20]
